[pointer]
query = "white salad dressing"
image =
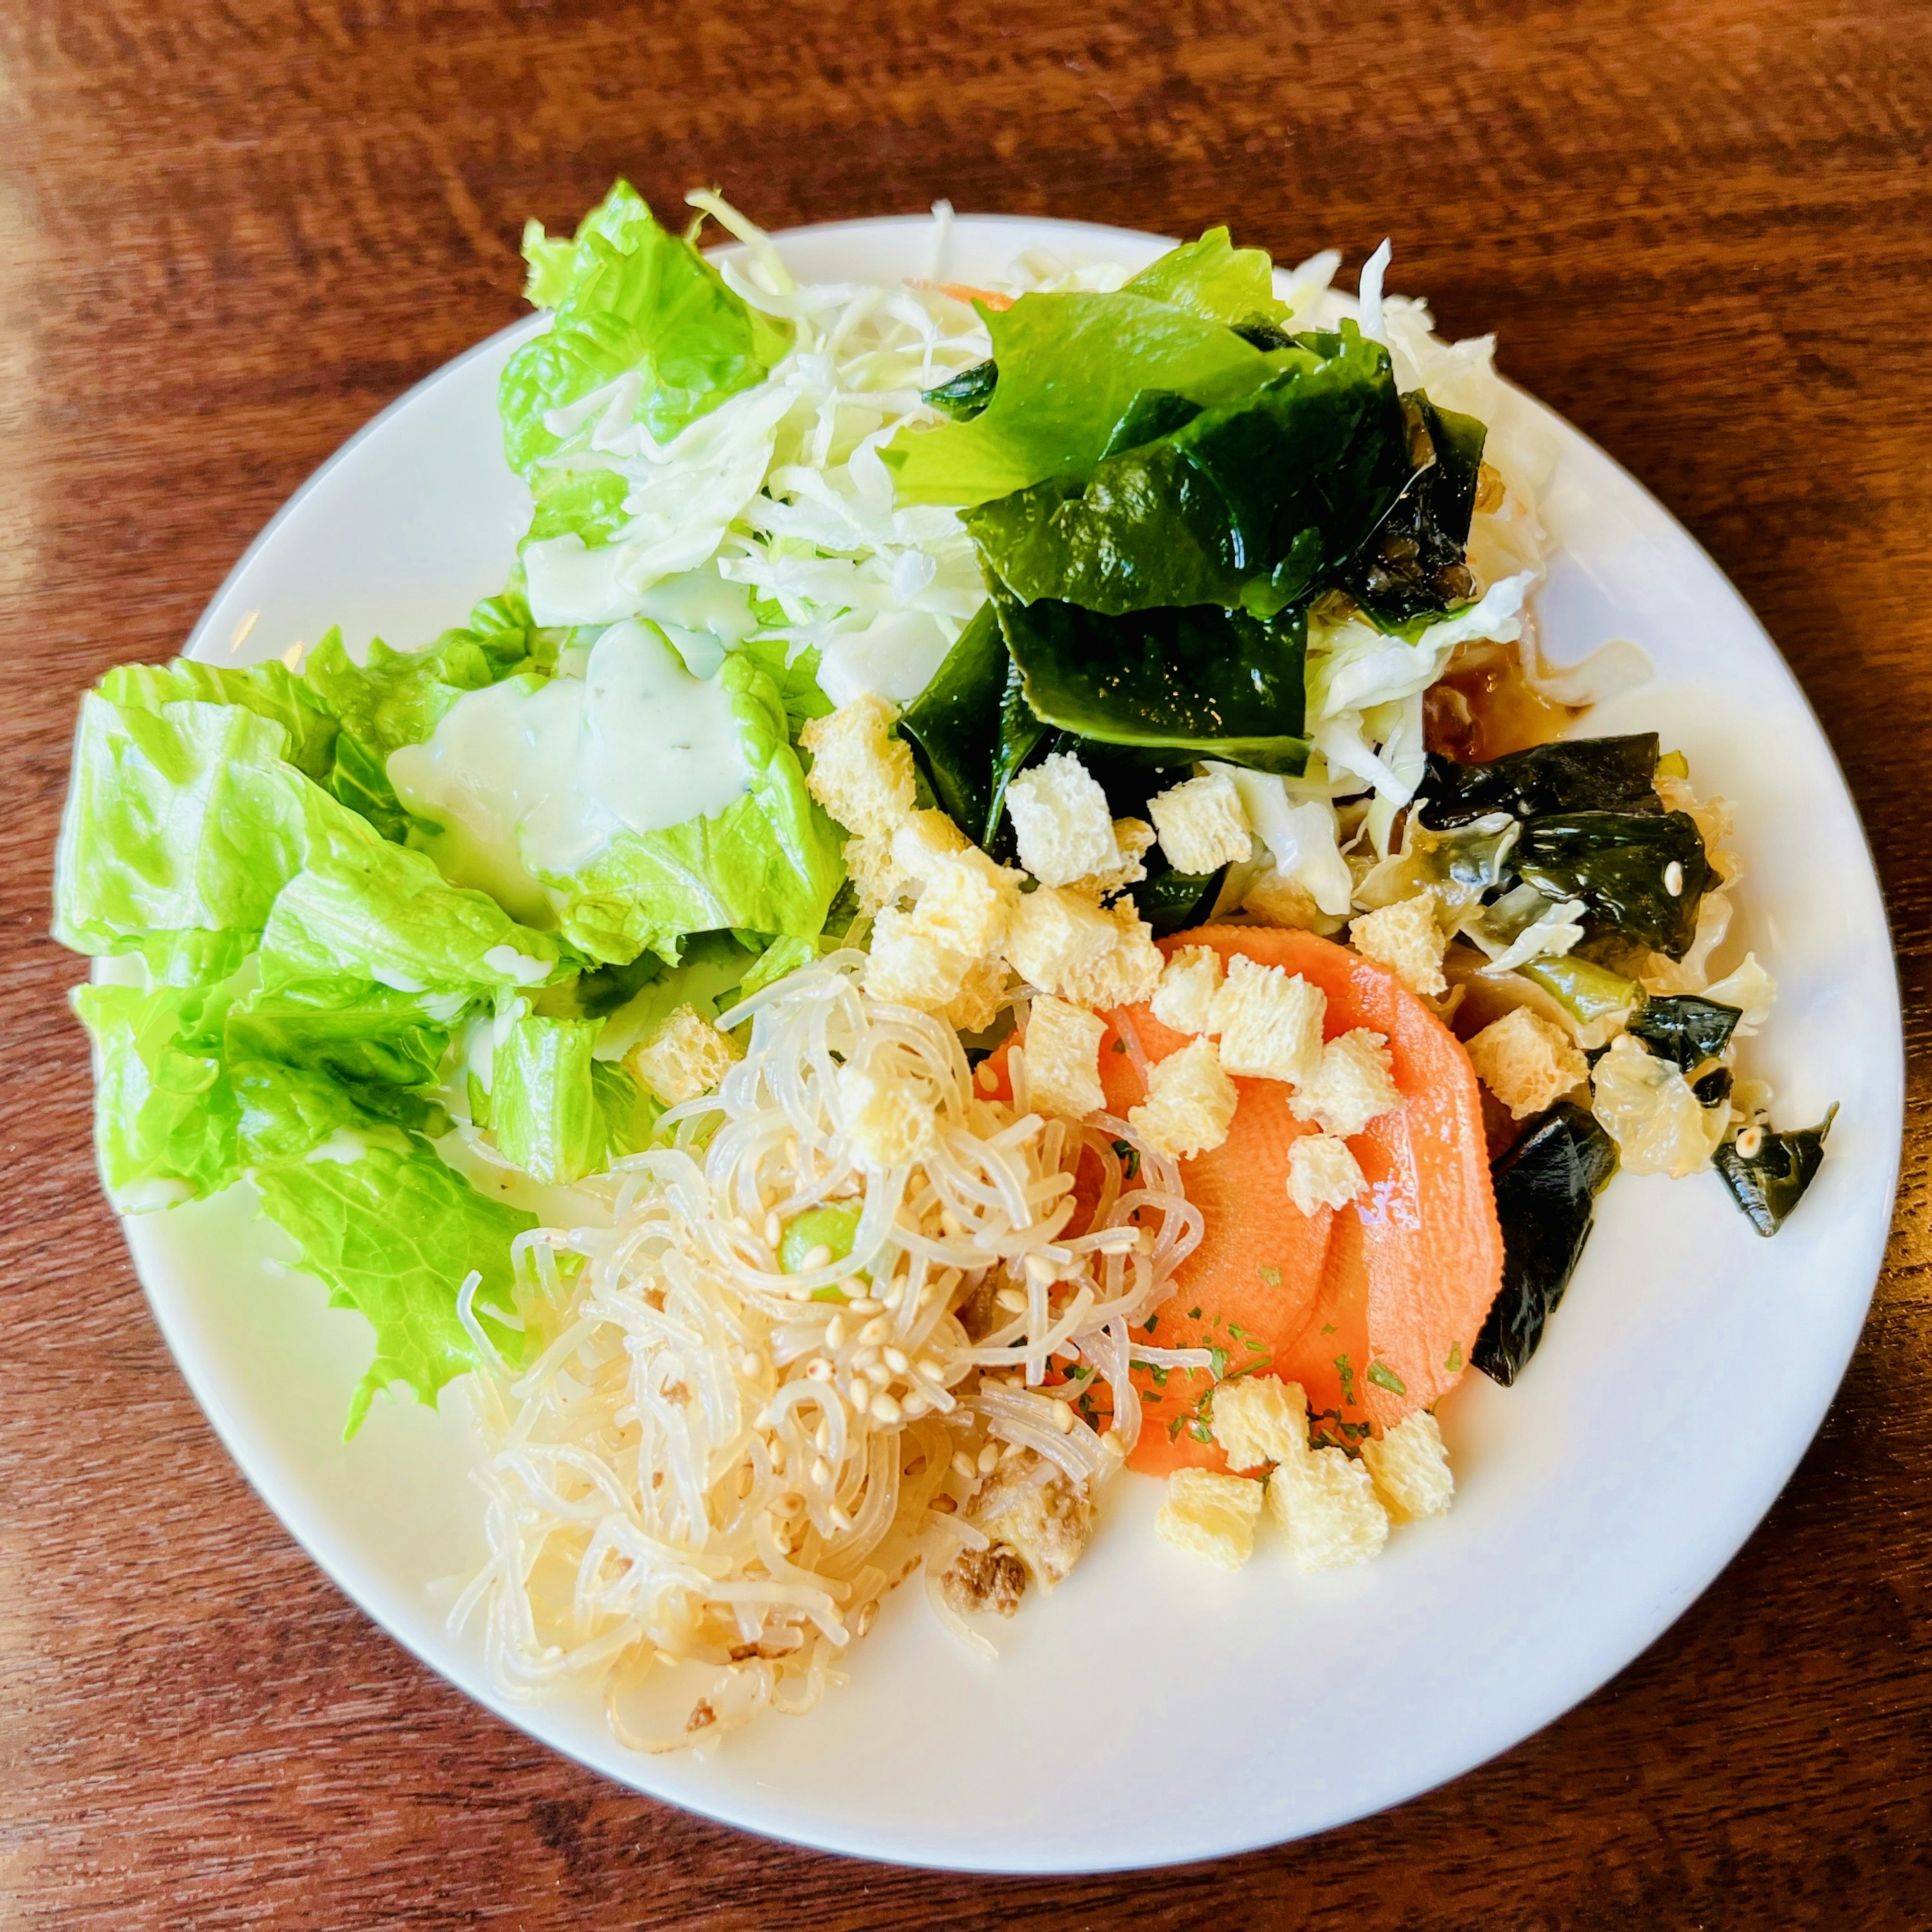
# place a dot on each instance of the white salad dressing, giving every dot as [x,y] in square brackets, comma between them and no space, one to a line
[535,775]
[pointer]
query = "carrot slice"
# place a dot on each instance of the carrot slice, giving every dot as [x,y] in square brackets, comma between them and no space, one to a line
[1374,1309]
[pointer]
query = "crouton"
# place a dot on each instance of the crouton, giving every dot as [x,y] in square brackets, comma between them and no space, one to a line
[1276,898]
[1327,1503]
[982,991]
[1258,1419]
[1408,939]
[1410,1468]
[1202,823]
[861,773]
[1067,943]
[684,1055]
[1190,1102]
[875,875]
[1210,1516]
[1526,1061]
[966,901]
[1063,1059]
[891,1122]
[921,838]
[1061,821]
[910,965]
[1270,1023]
[1322,1173]
[1351,1084]
[1188,984]
[1133,838]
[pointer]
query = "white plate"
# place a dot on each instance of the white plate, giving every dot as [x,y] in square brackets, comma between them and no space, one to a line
[1156,1711]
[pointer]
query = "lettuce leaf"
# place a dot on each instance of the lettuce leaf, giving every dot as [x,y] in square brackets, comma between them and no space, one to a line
[1212,278]
[166,1118]
[769,862]
[1070,367]
[627,298]
[270,690]
[543,1105]
[392,1233]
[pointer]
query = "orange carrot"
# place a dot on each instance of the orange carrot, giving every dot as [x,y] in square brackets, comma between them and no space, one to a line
[1373,1308]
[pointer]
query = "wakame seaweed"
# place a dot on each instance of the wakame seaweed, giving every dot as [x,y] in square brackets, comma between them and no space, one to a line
[1641,875]
[1213,683]
[1171,901]
[1546,1188]
[967,394]
[1414,564]
[1684,1028]
[1575,774]
[1768,1183]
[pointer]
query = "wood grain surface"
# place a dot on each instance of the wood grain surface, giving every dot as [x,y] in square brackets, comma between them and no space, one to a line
[229,233]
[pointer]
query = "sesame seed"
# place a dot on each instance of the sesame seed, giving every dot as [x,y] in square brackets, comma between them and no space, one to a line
[1673,879]
[864,1304]
[862,1359]
[859,1393]
[964,1468]
[875,1330]
[928,1369]
[819,1368]
[774,1230]
[818,1257]
[878,1373]
[821,1436]
[916,1401]
[989,1458]
[944,1505]
[834,1332]
[987,1080]
[1063,1418]
[1039,1270]
[1111,1443]
[868,1615]
[955,1228]
[1012,1299]
[749,1362]
[894,1294]
[896,1360]
[821,1471]
[1750,1143]
[884,1409]
[840,1520]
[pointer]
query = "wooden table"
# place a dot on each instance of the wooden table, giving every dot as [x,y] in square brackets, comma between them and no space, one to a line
[232,233]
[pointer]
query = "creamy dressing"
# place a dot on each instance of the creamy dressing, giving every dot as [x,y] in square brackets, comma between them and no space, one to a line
[536,775]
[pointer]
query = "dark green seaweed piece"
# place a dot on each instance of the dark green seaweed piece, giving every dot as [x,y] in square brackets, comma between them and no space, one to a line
[1171,901]
[1768,1184]
[1623,865]
[967,394]
[1264,334]
[1712,1086]
[1414,564]
[1240,504]
[1684,1028]
[954,723]
[1546,1185]
[1578,774]
[1216,683]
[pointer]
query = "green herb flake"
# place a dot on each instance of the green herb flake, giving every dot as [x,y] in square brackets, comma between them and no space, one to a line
[1386,1378]
[1271,1277]
[1454,1363]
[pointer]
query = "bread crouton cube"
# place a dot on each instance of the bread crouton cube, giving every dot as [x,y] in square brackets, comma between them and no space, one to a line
[1410,1468]
[922,839]
[1127,972]
[982,991]
[1322,1172]
[1408,939]
[1067,943]
[1188,982]
[875,876]
[1269,1022]
[1259,1419]
[891,1122]
[683,1056]
[861,773]
[1061,822]
[1202,823]
[1190,1102]
[1326,1502]
[1063,1059]
[1351,1084]
[910,965]
[1526,1061]
[1133,838]
[1276,898]
[967,902]
[1211,1516]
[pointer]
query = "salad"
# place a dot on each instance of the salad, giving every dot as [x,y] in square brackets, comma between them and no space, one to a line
[1004,896]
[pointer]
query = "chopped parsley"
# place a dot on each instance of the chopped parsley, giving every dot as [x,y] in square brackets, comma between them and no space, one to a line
[1271,1276]
[1130,1155]
[1386,1378]
[1345,1370]
[1455,1360]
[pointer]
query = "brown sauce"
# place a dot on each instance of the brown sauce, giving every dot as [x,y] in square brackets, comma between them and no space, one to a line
[1483,706]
